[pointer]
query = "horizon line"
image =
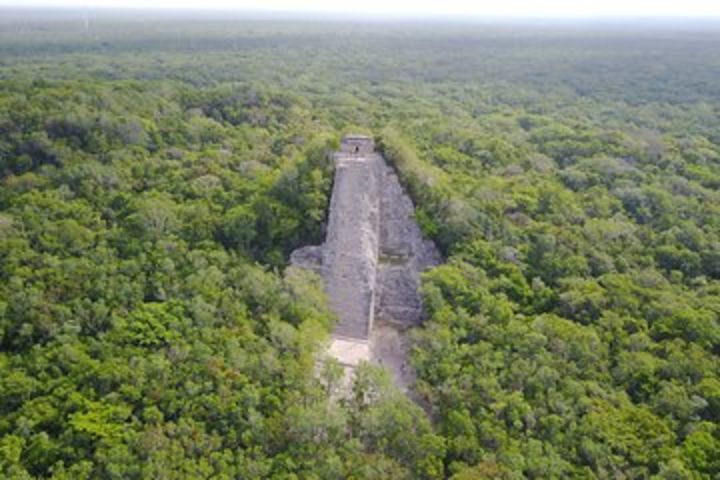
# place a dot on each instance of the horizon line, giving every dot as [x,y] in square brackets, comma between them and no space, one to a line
[364,13]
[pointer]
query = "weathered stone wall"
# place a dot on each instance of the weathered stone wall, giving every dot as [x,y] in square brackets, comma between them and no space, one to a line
[371,260]
[403,255]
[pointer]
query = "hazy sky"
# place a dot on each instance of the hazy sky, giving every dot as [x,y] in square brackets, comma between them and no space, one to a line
[451,7]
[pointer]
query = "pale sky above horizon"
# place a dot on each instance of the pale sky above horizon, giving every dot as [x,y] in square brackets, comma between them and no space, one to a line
[543,8]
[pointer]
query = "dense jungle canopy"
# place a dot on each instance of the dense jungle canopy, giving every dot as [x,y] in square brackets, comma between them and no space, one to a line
[155,175]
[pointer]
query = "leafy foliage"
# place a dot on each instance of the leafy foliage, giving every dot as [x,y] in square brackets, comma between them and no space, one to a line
[155,176]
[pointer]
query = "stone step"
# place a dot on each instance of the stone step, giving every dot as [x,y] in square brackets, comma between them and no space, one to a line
[371,260]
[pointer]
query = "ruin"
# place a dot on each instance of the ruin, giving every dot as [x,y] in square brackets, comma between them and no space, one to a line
[359,144]
[371,261]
